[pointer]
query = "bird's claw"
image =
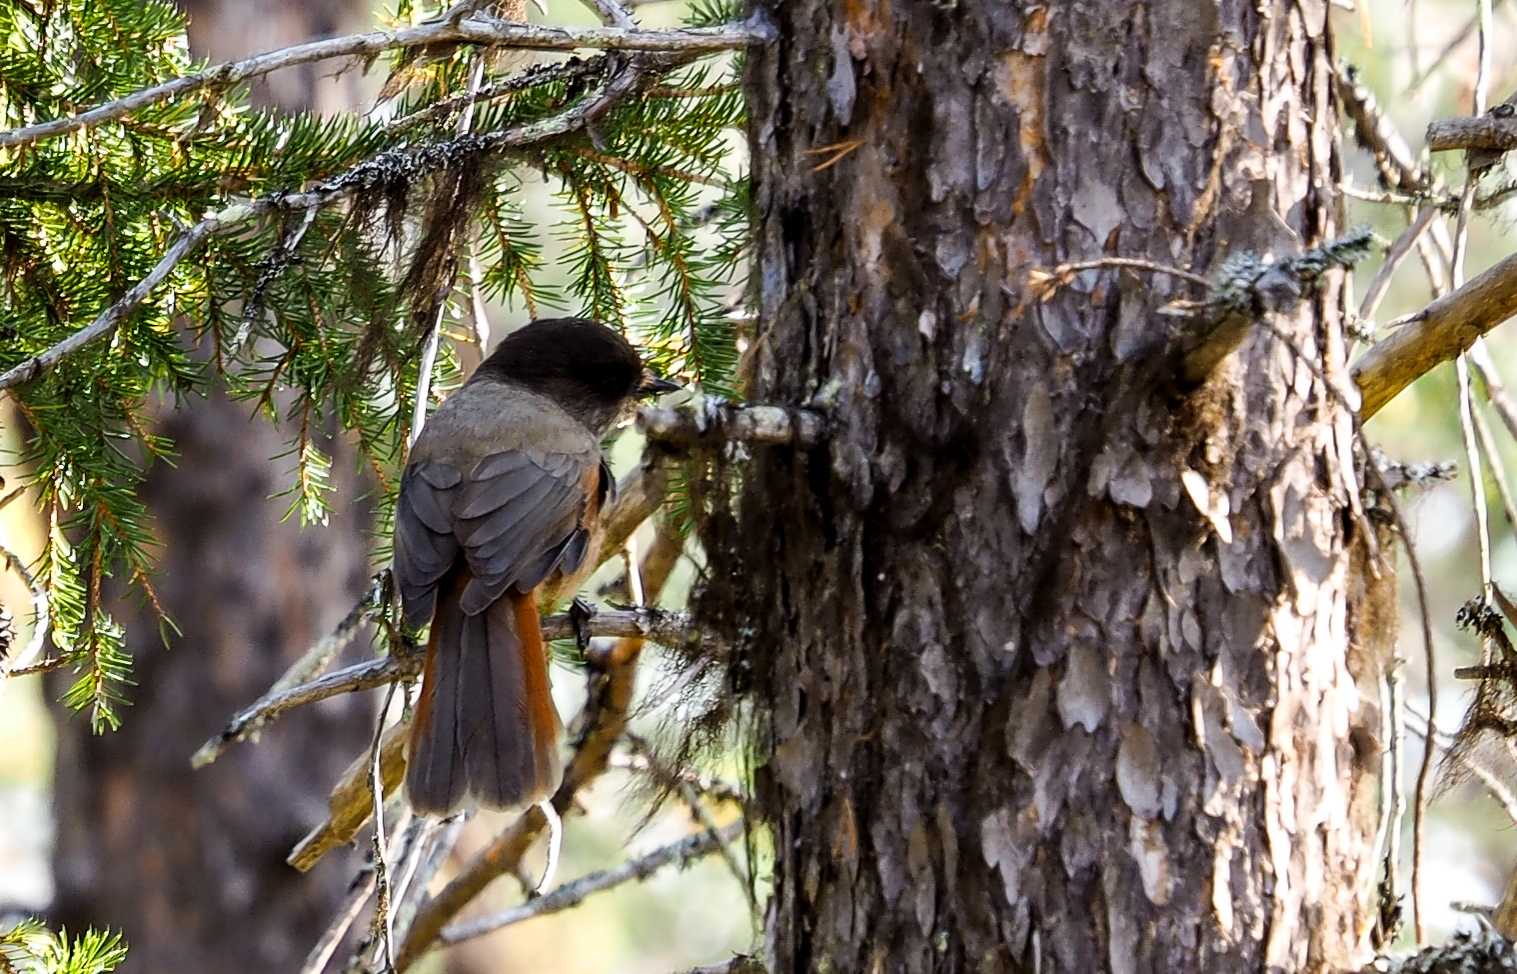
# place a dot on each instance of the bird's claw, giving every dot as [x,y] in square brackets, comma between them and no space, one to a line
[580,613]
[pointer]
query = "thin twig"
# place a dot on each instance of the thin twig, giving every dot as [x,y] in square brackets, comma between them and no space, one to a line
[571,894]
[1373,196]
[742,964]
[1419,810]
[1495,389]
[1433,263]
[381,864]
[1483,62]
[424,374]
[555,823]
[303,674]
[405,847]
[1454,44]
[473,30]
[434,334]
[367,675]
[1476,465]
[363,888]
[1444,742]
[41,666]
[15,663]
[1397,790]
[1399,249]
[1496,467]
[687,676]
[417,850]
[1042,280]
[703,815]
[612,14]
[6,500]
[437,847]
[640,759]
[282,256]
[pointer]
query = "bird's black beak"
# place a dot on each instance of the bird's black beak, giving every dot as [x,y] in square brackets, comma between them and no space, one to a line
[653,384]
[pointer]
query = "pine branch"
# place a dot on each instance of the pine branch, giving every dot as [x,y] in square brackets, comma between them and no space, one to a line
[375,173]
[112,317]
[474,30]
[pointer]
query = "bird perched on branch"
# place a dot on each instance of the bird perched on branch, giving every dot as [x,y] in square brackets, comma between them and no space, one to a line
[499,510]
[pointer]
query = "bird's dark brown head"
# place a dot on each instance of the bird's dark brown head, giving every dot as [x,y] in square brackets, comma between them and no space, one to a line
[587,368]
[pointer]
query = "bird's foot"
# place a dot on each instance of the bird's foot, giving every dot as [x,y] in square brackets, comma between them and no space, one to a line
[580,614]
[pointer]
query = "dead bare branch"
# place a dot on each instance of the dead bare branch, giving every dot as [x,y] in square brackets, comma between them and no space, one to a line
[638,495]
[1444,329]
[659,625]
[572,894]
[367,675]
[348,805]
[717,421]
[1497,133]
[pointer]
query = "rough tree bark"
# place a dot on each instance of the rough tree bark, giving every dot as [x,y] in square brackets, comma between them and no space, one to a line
[189,865]
[1036,701]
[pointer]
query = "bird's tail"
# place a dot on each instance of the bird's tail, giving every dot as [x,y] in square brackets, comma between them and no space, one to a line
[485,725]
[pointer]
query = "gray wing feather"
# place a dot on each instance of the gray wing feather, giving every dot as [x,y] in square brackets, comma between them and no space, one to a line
[425,546]
[514,511]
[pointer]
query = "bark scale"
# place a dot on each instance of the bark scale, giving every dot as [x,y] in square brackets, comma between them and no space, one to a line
[1058,668]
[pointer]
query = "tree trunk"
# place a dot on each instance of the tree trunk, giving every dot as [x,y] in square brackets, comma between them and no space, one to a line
[189,865]
[1025,706]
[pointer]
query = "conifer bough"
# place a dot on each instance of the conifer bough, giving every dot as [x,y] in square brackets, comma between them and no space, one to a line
[417,160]
[474,30]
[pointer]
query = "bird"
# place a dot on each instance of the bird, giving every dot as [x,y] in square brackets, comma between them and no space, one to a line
[499,510]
